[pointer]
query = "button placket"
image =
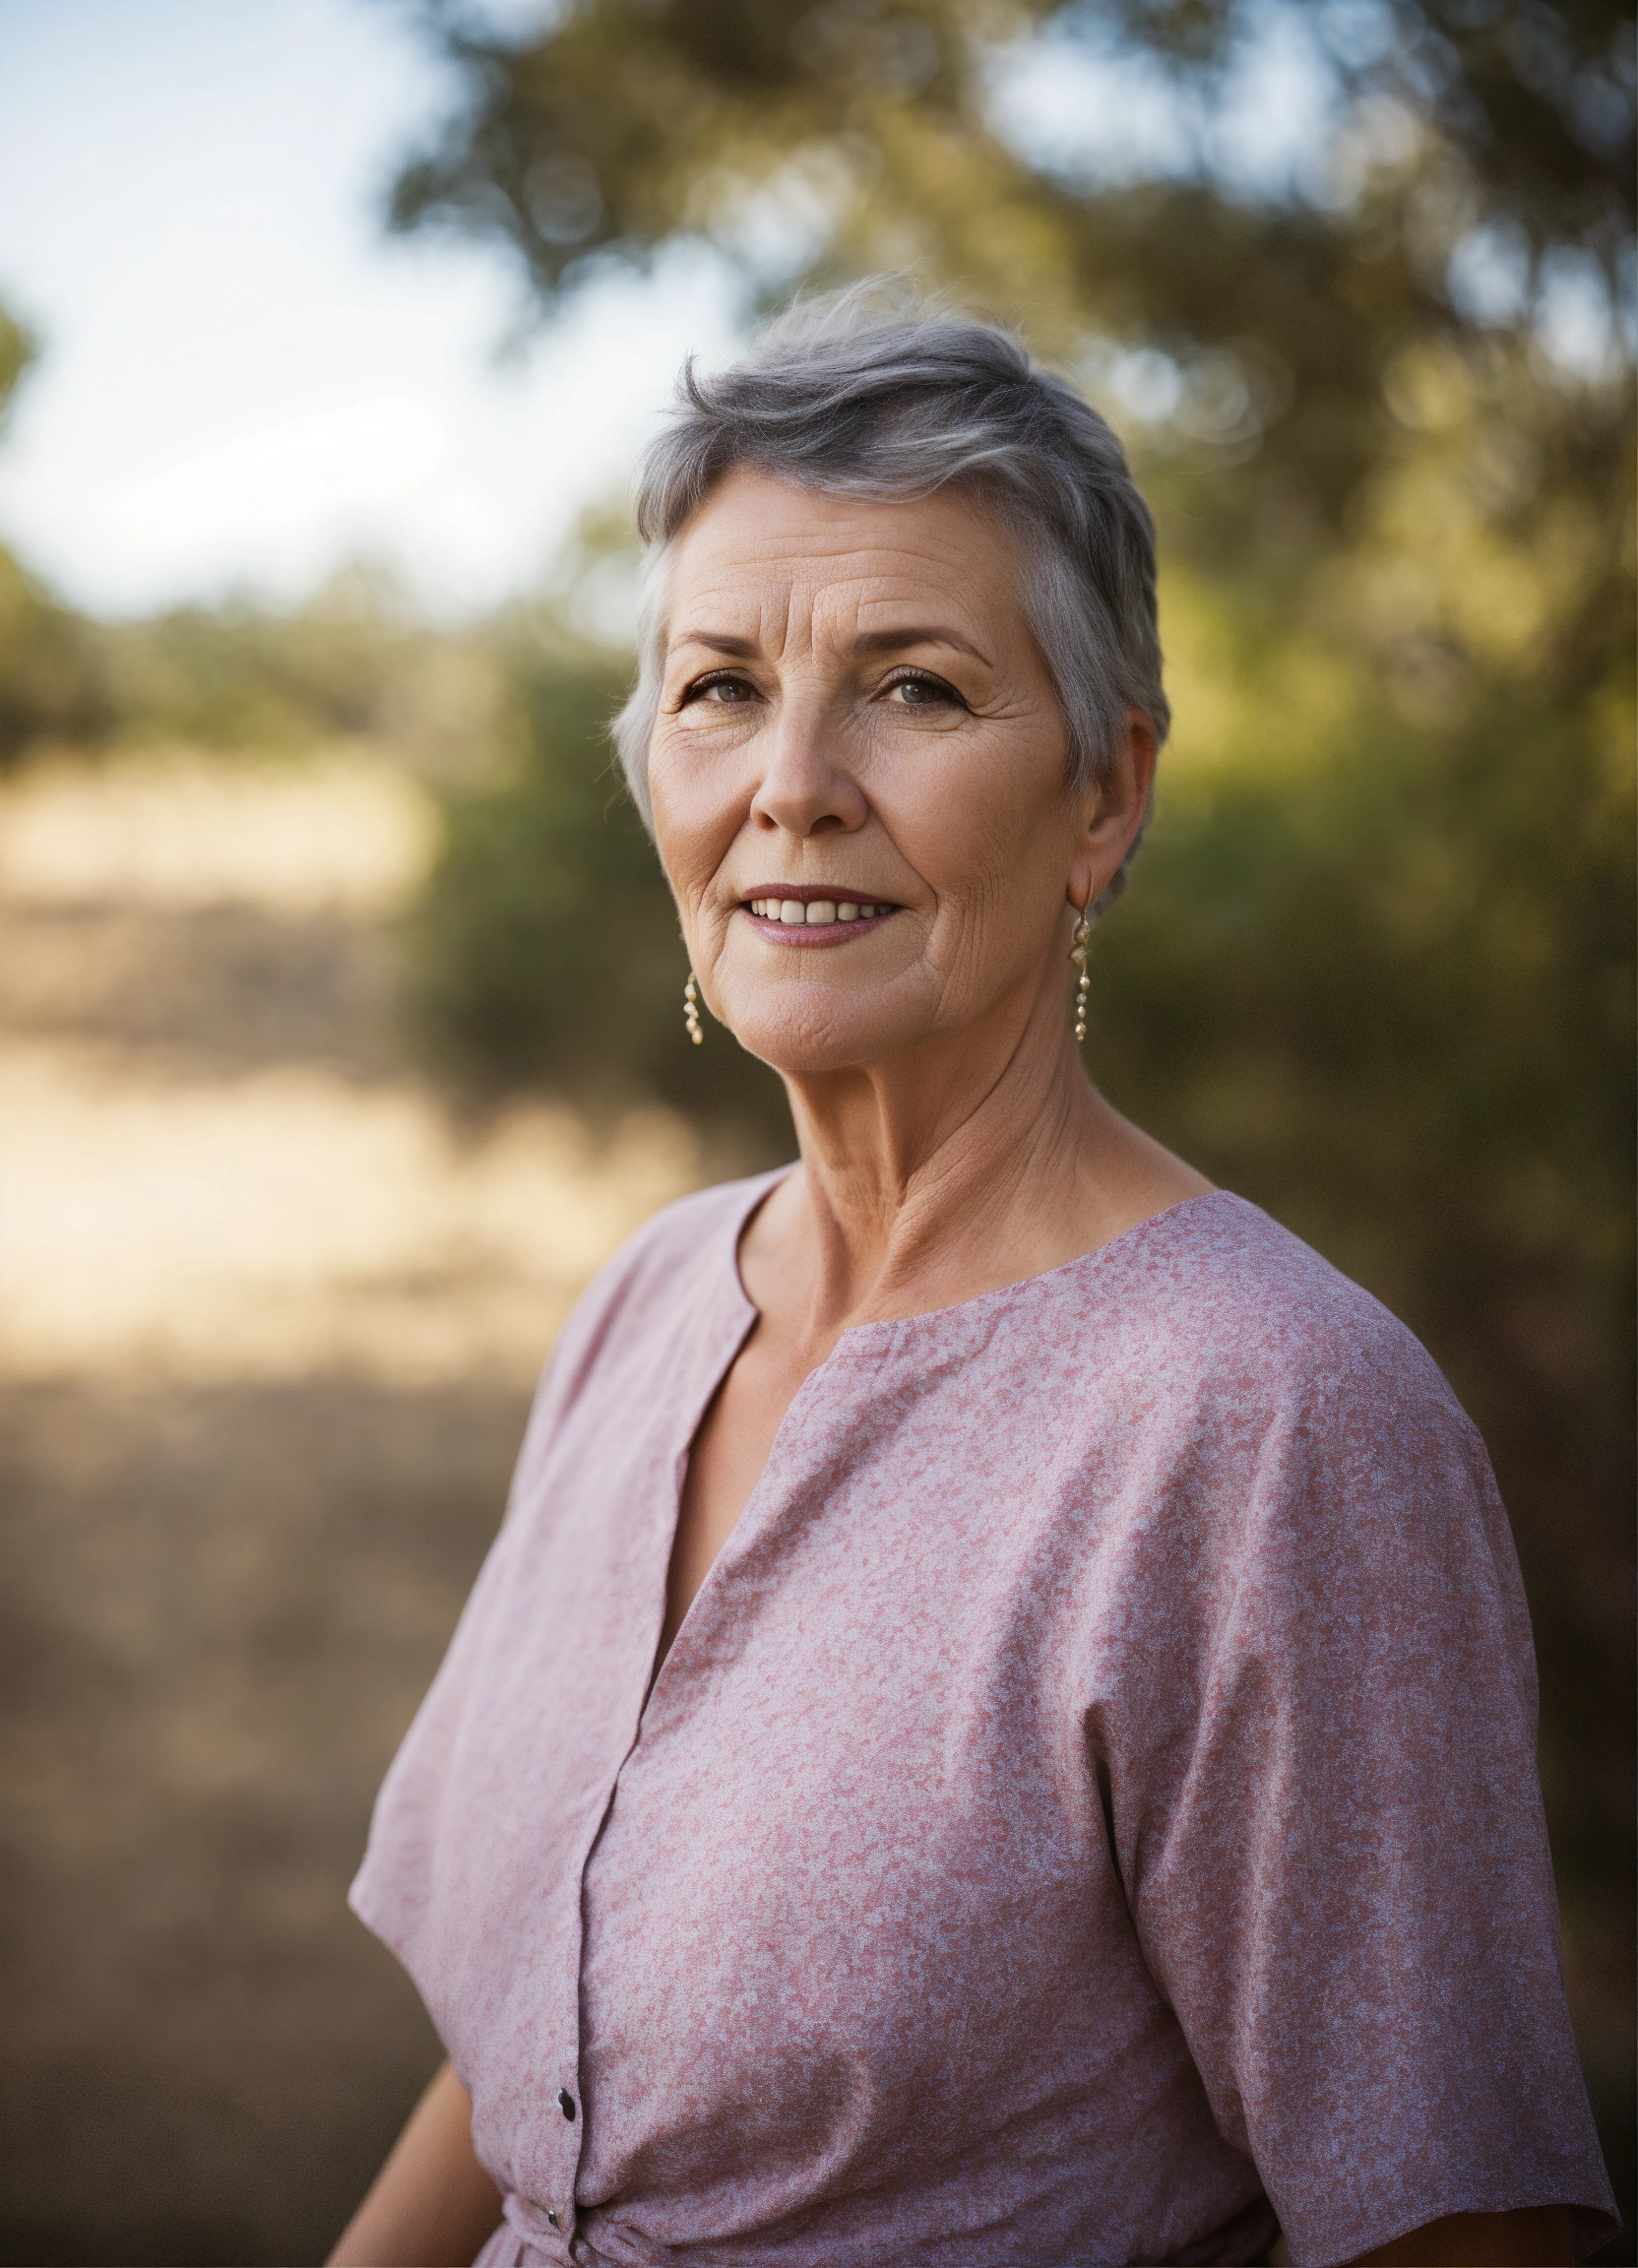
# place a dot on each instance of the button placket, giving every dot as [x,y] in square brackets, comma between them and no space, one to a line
[562,2217]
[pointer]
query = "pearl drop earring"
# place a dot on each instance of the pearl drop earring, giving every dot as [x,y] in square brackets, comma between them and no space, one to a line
[1078,955]
[691,1010]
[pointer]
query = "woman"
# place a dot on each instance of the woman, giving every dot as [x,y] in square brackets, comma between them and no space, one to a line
[998,1728]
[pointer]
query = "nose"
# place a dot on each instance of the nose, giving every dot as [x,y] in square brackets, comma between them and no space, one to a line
[806,787]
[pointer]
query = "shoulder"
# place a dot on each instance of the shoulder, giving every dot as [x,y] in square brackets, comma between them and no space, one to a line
[1224,1303]
[1316,1440]
[1292,1409]
[1305,1480]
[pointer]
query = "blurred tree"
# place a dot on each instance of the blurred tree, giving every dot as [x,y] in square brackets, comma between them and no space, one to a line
[50,682]
[353,661]
[860,134]
[546,864]
[17,352]
[1366,321]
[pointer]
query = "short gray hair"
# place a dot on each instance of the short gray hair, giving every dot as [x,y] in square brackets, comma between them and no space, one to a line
[879,392]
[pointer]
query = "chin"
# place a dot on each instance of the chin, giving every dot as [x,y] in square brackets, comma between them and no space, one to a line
[804,1038]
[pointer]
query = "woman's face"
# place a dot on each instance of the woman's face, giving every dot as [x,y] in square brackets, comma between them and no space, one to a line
[858,773]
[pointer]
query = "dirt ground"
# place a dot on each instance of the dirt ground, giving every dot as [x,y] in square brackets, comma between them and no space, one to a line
[271,1308]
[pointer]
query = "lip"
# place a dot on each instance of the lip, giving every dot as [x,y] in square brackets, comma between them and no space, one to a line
[809,894]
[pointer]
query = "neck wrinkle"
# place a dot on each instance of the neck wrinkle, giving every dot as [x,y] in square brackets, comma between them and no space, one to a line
[886,1228]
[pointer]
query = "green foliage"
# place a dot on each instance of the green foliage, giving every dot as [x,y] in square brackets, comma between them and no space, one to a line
[51,673]
[859,134]
[17,351]
[1396,599]
[622,121]
[49,678]
[353,661]
[347,663]
[547,944]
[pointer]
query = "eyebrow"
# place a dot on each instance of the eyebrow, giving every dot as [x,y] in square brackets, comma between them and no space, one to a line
[893,641]
[719,641]
[869,642]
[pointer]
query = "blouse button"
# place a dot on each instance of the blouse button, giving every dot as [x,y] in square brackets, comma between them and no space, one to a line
[565,2102]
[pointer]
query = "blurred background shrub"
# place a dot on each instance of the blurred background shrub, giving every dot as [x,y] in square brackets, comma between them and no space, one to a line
[545,946]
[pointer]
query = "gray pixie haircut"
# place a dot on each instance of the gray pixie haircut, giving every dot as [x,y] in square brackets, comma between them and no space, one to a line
[879,392]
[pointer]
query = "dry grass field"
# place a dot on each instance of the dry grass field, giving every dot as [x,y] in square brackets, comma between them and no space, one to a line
[271,1307]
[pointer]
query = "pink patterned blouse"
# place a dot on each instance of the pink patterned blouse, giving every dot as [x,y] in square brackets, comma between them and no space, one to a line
[1089,1813]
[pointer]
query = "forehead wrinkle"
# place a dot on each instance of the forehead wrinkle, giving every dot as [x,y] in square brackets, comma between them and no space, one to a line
[765,632]
[834,612]
[754,519]
[808,582]
[825,566]
[728,542]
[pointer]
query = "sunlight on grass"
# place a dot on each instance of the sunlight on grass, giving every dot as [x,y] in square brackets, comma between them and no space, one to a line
[270,1221]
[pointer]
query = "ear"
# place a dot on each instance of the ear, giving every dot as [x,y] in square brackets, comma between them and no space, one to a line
[1113,811]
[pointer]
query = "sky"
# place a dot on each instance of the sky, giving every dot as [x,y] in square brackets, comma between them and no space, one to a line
[242,381]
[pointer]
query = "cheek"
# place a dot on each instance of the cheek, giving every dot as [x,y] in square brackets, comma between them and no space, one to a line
[982,821]
[692,795]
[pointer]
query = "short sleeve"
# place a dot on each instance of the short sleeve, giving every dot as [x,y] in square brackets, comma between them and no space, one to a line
[1334,1841]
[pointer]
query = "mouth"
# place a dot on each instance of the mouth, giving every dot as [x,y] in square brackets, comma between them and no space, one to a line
[810,914]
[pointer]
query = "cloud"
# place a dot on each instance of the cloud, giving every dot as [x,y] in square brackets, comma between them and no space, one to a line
[330,464]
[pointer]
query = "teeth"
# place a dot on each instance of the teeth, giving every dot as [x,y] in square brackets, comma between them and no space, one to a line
[818,911]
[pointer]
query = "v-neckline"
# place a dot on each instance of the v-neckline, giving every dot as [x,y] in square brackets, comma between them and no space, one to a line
[749,1314]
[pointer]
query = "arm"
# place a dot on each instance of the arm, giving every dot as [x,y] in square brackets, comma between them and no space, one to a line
[432,2205]
[1534,2237]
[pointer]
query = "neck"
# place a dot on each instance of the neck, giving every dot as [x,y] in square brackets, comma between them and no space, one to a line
[963,1164]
